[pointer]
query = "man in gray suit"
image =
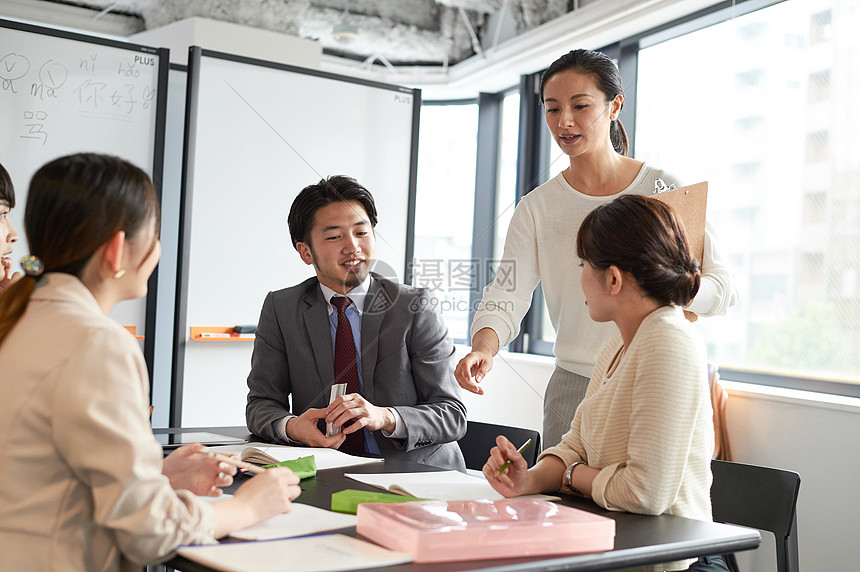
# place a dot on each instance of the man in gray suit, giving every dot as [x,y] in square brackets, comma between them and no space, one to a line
[408,405]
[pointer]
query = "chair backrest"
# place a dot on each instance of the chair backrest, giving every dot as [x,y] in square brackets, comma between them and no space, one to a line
[481,437]
[759,497]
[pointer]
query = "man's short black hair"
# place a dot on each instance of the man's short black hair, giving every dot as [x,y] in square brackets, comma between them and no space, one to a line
[337,188]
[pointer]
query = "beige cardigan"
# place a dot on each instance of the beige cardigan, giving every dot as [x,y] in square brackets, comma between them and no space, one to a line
[649,426]
[83,488]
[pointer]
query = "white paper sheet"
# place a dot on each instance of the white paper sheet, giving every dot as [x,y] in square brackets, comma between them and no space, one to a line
[322,553]
[303,519]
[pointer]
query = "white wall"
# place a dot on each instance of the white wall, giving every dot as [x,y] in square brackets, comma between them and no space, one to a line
[816,436]
[812,434]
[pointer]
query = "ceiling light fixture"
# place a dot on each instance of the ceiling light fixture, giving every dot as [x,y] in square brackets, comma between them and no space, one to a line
[345,32]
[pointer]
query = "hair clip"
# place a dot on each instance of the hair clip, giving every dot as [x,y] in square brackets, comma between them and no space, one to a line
[32,266]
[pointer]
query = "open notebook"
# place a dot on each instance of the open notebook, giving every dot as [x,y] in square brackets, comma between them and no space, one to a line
[437,485]
[268,454]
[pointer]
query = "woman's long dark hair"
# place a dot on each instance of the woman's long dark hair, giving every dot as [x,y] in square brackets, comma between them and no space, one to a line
[75,204]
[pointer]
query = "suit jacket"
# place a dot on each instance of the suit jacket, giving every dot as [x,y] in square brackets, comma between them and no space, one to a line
[407,364]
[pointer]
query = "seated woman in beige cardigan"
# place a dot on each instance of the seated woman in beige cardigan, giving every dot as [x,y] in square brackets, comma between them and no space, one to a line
[88,488]
[641,441]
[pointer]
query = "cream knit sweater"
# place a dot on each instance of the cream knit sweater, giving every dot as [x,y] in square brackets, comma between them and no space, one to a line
[541,243]
[648,427]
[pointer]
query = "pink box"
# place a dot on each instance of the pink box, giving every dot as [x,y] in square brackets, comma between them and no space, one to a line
[439,531]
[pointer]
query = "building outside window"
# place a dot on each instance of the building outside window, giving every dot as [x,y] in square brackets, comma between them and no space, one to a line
[770,121]
[444,209]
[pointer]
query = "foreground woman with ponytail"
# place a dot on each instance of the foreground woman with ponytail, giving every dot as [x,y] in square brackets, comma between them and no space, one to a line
[85,489]
[642,439]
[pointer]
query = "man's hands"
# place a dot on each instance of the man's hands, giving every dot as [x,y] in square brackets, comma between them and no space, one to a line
[304,429]
[350,412]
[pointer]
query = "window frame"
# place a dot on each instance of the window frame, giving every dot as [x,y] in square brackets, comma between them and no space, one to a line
[486,174]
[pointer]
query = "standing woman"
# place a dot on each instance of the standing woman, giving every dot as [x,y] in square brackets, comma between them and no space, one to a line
[582,94]
[642,439]
[86,489]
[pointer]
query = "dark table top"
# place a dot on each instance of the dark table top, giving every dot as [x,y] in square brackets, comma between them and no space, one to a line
[639,539]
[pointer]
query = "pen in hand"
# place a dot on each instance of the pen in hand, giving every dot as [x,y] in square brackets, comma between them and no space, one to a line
[522,448]
[233,461]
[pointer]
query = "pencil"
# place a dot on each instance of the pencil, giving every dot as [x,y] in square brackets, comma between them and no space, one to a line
[233,461]
[522,448]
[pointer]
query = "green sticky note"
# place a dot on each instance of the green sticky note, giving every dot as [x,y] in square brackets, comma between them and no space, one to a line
[303,467]
[347,500]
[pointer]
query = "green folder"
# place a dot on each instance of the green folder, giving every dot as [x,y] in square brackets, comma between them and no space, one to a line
[347,500]
[303,467]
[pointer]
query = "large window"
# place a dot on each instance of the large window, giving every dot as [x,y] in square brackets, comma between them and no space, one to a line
[444,209]
[758,103]
[763,107]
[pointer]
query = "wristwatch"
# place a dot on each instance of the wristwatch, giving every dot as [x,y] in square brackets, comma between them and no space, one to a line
[568,475]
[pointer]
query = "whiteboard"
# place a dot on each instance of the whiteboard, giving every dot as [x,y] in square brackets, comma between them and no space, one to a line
[63,93]
[258,133]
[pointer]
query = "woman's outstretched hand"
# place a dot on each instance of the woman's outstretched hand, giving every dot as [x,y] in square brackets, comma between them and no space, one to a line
[470,371]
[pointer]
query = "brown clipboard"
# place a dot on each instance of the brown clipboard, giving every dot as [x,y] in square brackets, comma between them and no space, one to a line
[690,203]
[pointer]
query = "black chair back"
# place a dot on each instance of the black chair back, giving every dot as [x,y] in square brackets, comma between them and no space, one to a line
[481,437]
[759,497]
